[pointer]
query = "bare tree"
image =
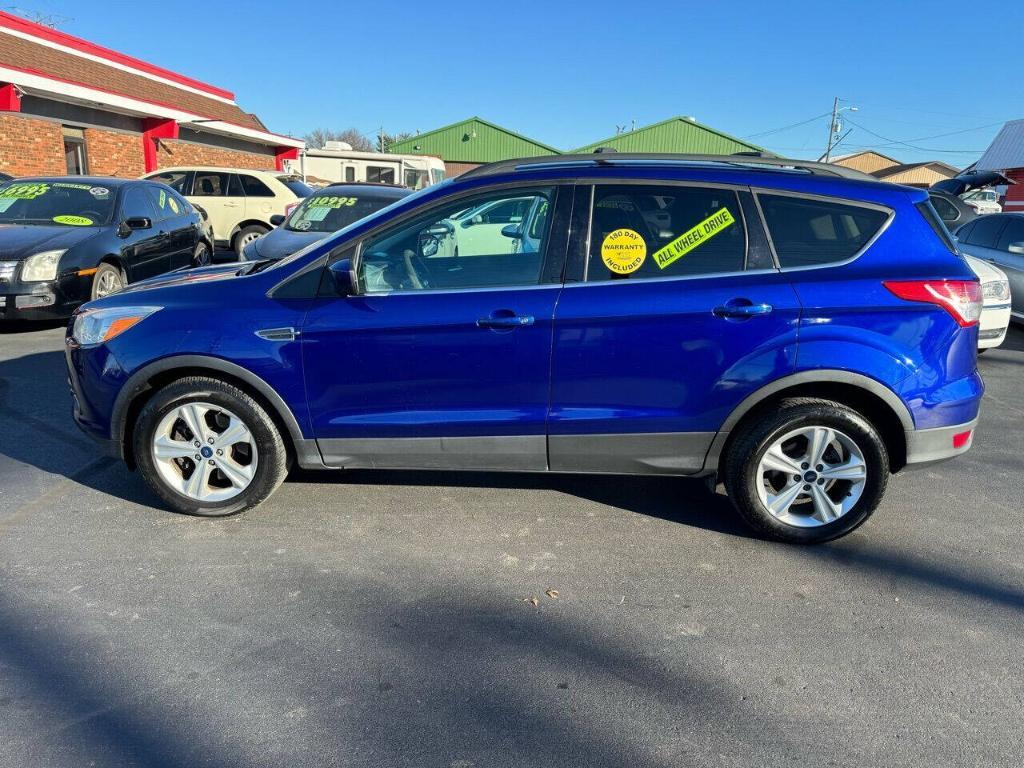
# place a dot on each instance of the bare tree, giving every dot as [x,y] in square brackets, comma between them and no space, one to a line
[385,140]
[316,138]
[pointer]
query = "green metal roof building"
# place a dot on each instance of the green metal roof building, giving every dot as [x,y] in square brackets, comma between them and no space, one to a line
[474,141]
[677,134]
[469,143]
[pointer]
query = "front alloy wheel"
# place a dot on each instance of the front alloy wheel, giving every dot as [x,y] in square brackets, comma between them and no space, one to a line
[205,452]
[208,448]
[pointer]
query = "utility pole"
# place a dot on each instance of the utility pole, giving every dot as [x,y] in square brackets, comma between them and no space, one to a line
[832,128]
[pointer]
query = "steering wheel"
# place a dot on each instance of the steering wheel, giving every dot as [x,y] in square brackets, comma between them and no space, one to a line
[416,268]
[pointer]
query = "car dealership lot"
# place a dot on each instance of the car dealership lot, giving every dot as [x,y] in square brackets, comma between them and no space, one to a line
[388,619]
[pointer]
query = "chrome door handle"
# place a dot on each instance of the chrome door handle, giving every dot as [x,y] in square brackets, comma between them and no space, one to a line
[501,321]
[742,310]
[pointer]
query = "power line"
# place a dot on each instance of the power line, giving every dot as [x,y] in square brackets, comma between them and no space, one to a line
[913,146]
[787,127]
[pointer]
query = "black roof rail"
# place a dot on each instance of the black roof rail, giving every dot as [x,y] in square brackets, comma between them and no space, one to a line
[742,161]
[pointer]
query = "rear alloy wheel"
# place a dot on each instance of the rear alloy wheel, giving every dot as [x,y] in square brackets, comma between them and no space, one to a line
[809,471]
[108,279]
[248,235]
[208,448]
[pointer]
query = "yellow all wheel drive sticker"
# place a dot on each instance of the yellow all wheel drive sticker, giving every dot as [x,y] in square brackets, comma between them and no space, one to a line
[75,221]
[623,251]
[693,238]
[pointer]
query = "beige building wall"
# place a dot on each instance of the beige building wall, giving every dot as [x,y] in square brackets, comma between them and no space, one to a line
[868,162]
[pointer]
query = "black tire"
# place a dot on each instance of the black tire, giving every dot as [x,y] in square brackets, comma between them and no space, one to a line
[273,456]
[239,241]
[746,451]
[202,256]
[101,279]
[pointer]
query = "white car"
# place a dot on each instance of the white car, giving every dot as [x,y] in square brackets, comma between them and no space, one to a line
[995,313]
[983,201]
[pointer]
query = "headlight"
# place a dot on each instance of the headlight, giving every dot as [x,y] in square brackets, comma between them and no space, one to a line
[96,326]
[997,289]
[42,266]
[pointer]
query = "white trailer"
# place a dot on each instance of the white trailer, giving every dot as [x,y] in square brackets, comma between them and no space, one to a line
[337,163]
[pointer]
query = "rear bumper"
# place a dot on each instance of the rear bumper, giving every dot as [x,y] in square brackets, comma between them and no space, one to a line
[925,446]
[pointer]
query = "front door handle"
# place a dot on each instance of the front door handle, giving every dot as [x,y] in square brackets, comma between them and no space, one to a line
[505,321]
[738,310]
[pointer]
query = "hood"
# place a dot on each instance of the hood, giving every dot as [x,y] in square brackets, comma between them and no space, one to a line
[187,277]
[986,272]
[281,242]
[969,181]
[19,241]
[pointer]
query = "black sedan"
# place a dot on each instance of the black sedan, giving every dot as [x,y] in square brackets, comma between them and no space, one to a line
[326,211]
[68,239]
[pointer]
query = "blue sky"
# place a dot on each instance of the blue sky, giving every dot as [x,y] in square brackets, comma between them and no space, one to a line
[567,73]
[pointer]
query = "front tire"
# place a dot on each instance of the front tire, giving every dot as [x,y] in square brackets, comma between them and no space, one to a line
[208,448]
[202,256]
[807,471]
[107,279]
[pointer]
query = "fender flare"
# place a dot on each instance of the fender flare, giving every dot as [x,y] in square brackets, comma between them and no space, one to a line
[305,450]
[816,376]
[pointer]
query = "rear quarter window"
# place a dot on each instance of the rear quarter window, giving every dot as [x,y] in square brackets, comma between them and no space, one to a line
[809,232]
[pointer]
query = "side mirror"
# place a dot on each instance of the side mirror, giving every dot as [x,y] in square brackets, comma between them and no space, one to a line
[514,231]
[343,277]
[277,220]
[1016,248]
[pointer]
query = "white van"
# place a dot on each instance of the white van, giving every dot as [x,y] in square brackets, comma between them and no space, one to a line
[338,163]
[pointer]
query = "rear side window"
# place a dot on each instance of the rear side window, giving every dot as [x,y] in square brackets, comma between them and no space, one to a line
[809,233]
[986,231]
[946,210]
[254,187]
[642,232]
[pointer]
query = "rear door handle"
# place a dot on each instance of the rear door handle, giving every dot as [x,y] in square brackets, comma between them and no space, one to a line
[737,310]
[505,321]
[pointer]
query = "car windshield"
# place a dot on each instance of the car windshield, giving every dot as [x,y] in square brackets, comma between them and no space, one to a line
[326,212]
[68,204]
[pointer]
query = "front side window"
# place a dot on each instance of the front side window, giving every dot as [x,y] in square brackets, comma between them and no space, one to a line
[808,232]
[446,249]
[1012,235]
[380,174]
[210,184]
[253,187]
[646,231]
[136,204]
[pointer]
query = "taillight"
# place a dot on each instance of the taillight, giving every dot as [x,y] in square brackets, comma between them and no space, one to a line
[961,298]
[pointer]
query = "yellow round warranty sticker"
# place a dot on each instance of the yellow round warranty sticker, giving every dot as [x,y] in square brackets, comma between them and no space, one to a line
[623,251]
[75,221]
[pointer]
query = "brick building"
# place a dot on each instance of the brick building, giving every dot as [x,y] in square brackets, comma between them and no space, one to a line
[69,106]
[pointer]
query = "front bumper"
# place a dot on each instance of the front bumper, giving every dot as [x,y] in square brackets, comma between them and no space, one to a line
[995,319]
[926,446]
[49,300]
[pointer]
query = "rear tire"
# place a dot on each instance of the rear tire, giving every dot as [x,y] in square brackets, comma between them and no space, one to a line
[247,235]
[806,472]
[238,452]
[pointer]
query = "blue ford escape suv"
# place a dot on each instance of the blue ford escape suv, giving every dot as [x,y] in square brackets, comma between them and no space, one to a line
[798,331]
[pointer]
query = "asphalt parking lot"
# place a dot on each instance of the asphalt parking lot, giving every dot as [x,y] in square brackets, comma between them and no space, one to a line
[389,620]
